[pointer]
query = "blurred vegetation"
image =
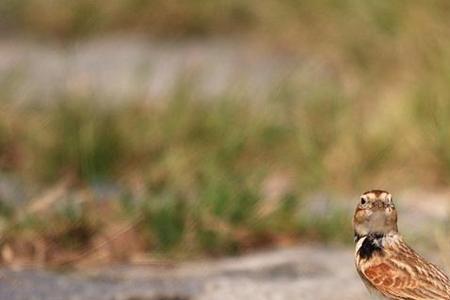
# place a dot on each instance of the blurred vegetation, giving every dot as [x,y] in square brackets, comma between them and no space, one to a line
[368,20]
[193,175]
[212,176]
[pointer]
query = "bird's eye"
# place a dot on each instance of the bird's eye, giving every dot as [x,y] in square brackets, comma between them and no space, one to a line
[363,201]
[389,200]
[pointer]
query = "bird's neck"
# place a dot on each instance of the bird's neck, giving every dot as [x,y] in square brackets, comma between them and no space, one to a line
[374,235]
[374,242]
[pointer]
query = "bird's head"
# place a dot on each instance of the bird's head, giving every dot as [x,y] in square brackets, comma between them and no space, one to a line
[375,214]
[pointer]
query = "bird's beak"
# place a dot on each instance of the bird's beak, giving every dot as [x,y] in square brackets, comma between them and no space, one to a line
[378,205]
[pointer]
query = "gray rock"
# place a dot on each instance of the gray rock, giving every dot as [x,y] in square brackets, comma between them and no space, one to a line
[310,272]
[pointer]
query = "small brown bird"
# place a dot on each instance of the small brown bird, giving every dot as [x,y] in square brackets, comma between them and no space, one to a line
[389,268]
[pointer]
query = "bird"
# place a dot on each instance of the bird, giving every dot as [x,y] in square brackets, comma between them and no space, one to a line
[389,268]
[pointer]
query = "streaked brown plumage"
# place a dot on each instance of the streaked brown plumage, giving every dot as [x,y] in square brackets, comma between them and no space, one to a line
[389,268]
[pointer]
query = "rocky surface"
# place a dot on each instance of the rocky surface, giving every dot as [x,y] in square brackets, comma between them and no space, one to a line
[309,272]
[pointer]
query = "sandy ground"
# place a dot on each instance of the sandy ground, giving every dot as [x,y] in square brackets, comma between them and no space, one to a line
[307,272]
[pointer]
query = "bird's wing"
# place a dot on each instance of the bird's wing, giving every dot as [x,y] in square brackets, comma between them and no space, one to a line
[401,274]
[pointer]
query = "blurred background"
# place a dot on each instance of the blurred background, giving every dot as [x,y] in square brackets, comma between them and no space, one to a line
[157,134]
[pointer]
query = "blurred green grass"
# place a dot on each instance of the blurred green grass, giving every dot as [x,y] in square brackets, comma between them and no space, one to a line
[212,176]
[224,174]
[335,20]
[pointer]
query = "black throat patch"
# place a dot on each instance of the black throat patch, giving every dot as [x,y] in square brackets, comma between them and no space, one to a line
[371,245]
